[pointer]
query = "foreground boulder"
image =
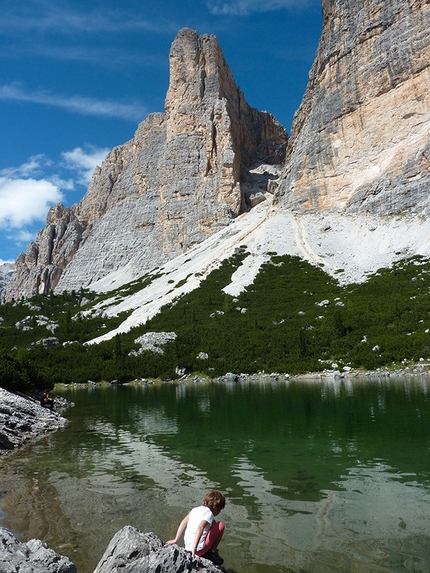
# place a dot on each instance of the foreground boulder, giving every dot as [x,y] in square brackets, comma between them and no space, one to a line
[132,551]
[31,557]
[23,419]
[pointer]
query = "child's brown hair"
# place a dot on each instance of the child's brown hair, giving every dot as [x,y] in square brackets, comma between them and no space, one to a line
[214,500]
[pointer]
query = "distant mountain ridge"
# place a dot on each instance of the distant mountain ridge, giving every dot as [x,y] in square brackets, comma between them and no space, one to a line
[360,145]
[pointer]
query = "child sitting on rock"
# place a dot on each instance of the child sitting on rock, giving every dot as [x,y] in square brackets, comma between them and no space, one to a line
[202,533]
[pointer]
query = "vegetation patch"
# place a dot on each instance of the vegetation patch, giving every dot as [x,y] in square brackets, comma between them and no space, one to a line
[293,318]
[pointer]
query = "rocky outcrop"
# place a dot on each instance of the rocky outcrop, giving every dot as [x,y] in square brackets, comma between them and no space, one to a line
[185,174]
[40,268]
[132,551]
[31,557]
[6,271]
[360,141]
[23,419]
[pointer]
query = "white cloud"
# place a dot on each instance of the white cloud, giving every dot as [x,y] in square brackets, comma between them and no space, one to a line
[75,104]
[65,185]
[35,164]
[29,190]
[53,16]
[23,237]
[84,162]
[246,7]
[24,201]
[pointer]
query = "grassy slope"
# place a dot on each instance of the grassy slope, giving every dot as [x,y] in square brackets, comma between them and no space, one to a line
[292,319]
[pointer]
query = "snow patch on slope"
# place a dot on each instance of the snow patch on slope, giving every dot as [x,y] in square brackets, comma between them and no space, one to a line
[347,247]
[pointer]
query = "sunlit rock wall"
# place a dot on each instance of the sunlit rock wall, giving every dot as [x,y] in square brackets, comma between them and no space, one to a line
[360,141]
[186,173]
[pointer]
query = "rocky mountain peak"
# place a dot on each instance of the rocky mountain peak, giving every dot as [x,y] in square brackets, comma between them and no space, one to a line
[186,173]
[360,144]
[197,70]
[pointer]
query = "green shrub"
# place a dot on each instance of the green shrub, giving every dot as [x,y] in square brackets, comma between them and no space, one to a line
[293,318]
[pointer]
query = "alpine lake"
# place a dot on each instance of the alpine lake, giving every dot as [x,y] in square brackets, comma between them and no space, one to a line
[319,475]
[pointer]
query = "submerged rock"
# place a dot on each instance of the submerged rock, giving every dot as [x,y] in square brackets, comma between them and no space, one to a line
[131,551]
[31,557]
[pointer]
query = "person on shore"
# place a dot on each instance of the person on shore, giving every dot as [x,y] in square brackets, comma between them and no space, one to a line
[47,401]
[202,532]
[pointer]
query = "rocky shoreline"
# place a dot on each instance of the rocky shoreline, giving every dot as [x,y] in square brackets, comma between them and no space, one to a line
[23,419]
[31,557]
[333,373]
[129,551]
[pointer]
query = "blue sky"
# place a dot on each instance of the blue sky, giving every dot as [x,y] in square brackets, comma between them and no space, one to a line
[77,76]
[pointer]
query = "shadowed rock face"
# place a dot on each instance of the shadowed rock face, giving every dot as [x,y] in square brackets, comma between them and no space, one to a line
[185,174]
[360,141]
[23,419]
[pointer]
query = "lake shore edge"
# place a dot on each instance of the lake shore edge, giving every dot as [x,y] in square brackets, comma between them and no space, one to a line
[23,419]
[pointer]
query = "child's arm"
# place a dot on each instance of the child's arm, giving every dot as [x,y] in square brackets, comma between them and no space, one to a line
[180,531]
[198,535]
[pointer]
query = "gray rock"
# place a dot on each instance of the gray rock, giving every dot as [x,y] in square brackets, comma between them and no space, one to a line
[23,419]
[131,551]
[50,342]
[31,557]
[229,377]
[36,320]
[202,356]
[6,272]
[153,341]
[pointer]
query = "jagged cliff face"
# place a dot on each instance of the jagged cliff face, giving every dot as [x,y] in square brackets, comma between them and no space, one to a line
[360,141]
[6,271]
[185,174]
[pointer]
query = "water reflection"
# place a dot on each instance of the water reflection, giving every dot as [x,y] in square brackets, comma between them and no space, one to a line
[318,476]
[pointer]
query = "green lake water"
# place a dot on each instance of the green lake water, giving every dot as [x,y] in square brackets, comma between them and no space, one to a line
[319,476]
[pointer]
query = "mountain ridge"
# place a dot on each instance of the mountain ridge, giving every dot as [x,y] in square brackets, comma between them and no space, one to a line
[186,173]
[360,139]
[355,167]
